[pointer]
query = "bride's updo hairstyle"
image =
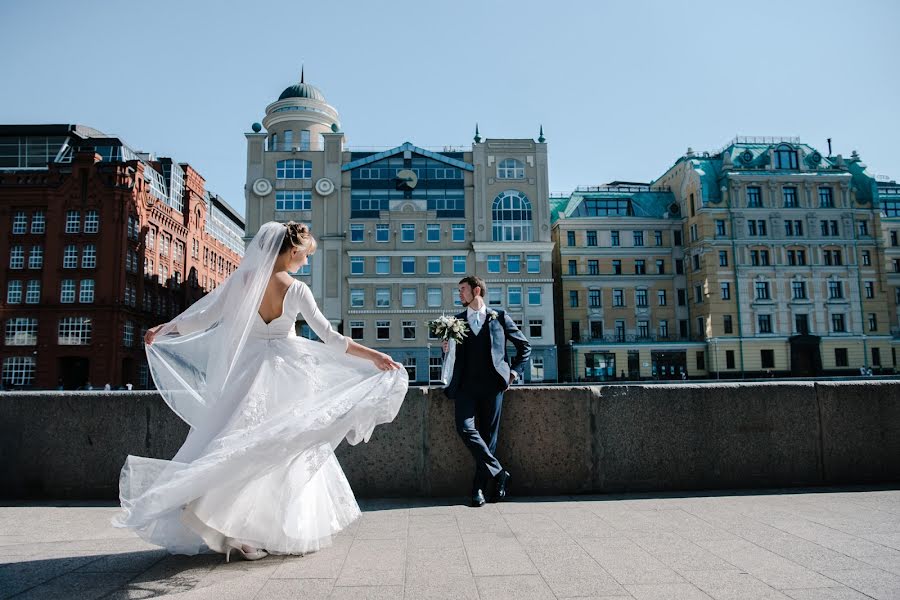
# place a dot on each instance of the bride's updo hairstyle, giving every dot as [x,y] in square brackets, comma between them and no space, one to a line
[297,235]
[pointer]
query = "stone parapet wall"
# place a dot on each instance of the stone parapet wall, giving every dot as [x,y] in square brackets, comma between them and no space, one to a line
[554,440]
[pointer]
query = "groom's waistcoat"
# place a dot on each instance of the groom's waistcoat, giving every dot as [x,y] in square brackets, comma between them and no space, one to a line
[478,373]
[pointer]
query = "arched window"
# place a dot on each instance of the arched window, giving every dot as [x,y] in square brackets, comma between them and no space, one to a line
[785,157]
[294,169]
[510,168]
[511,216]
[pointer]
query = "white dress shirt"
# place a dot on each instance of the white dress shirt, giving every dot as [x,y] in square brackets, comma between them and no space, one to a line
[476,319]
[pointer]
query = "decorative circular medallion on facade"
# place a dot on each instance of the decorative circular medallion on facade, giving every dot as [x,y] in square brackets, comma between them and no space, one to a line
[815,158]
[746,157]
[324,186]
[262,187]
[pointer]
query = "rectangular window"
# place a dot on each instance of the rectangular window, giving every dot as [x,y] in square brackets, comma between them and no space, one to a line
[876,357]
[73,221]
[382,232]
[638,238]
[459,264]
[840,357]
[535,328]
[729,359]
[835,289]
[866,258]
[67,291]
[382,330]
[408,330]
[573,298]
[870,289]
[573,267]
[407,232]
[618,297]
[435,368]
[382,265]
[873,322]
[762,290]
[617,267]
[837,323]
[698,294]
[493,263]
[640,267]
[726,290]
[727,324]
[33,292]
[38,222]
[408,297]
[357,232]
[723,258]
[434,265]
[695,260]
[826,199]
[17,257]
[570,238]
[614,238]
[767,359]
[798,290]
[790,197]
[434,297]
[754,196]
[658,238]
[643,329]
[86,293]
[681,293]
[575,327]
[591,238]
[640,298]
[433,232]
[660,267]
[514,295]
[596,329]
[534,296]
[459,232]
[357,265]
[513,263]
[664,329]
[661,297]
[862,228]
[357,296]
[357,330]
[533,263]
[701,360]
[18,371]
[720,227]
[679,266]
[70,256]
[21,331]
[408,265]
[74,331]
[128,334]
[594,298]
[292,200]
[495,296]
[765,323]
[382,297]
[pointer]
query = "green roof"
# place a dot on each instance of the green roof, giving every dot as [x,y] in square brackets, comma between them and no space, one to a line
[302,90]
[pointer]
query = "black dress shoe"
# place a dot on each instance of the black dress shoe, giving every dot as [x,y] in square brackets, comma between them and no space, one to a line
[502,481]
[477,499]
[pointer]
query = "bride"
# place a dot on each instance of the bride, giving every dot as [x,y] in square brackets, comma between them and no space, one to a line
[257,473]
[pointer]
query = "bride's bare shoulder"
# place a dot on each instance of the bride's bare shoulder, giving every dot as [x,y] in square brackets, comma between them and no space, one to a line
[284,280]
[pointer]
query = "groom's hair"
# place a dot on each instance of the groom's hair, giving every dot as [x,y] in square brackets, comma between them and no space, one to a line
[475,281]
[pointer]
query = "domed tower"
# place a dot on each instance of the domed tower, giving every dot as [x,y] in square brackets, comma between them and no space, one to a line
[298,118]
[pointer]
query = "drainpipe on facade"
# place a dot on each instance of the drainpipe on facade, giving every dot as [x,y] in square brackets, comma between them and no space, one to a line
[859,294]
[737,283]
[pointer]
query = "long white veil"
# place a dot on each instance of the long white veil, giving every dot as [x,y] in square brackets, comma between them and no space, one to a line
[193,357]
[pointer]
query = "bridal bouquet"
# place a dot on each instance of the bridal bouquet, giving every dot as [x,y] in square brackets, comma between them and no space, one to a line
[447,328]
[452,331]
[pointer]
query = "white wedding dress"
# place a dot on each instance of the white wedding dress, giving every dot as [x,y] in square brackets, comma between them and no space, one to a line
[260,468]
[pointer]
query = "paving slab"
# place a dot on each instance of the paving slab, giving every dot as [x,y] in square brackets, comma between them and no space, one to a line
[801,544]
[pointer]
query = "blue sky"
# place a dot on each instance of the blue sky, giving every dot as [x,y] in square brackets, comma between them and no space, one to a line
[621,88]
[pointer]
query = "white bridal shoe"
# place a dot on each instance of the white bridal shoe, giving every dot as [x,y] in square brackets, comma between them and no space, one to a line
[248,552]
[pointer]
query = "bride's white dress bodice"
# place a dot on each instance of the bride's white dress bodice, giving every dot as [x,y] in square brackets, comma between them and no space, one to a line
[298,300]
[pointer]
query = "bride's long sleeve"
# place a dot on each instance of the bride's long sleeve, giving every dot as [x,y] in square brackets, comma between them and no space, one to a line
[317,321]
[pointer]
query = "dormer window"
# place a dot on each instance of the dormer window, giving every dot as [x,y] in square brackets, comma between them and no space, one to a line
[510,168]
[785,157]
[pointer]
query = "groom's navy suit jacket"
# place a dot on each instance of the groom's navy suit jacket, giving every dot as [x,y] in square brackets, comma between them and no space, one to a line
[496,374]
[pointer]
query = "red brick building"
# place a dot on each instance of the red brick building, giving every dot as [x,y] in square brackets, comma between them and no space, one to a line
[99,243]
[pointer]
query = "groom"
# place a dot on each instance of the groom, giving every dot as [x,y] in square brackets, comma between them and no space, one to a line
[481,373]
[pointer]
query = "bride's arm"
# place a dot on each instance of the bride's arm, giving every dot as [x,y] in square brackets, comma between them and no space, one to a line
[320,325]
